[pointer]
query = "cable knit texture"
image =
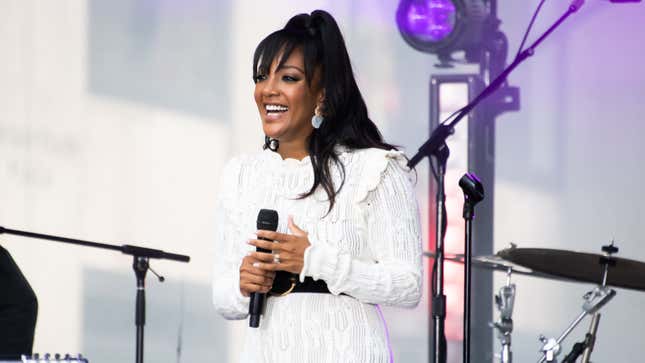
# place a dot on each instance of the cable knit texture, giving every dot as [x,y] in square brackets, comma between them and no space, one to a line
[368,248]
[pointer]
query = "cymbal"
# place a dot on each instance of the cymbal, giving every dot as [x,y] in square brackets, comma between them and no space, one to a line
[579,266]
[491,262]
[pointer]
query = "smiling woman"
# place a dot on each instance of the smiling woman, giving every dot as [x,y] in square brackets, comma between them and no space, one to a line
[286,101]
[348,234]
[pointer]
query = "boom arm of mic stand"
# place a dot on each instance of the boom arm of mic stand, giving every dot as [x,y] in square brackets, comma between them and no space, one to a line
[441,133]
[126,249]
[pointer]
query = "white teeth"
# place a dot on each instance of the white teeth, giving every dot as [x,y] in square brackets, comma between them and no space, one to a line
[275,108]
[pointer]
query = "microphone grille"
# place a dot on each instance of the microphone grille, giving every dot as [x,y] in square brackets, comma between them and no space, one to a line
[267,220]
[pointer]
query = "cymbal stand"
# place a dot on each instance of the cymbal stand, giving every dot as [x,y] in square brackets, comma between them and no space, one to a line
[590,339]
[586,346]
[504,300]
[594,300]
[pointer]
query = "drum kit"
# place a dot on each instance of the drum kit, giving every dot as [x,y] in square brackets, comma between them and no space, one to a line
[604,269]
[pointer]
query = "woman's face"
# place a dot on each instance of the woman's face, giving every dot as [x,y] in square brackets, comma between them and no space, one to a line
[285,101]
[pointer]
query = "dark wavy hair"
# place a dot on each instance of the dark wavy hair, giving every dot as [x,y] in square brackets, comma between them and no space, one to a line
[346,120]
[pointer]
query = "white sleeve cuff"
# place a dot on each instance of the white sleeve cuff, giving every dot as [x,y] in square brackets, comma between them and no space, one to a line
[322,262]
[325,262]
[306,264]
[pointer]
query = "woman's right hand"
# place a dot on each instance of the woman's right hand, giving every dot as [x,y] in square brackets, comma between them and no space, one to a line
[254,279]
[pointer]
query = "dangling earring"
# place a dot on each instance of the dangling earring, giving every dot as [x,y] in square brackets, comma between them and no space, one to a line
[317,118]
[271,144]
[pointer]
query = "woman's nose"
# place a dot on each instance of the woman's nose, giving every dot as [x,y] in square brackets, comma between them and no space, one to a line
[270,87]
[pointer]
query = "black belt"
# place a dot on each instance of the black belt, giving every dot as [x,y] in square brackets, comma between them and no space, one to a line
[286,283]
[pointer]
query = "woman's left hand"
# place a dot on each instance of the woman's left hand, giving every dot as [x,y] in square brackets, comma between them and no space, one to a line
[288,249]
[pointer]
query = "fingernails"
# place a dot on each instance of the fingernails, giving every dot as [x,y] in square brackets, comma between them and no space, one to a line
[250,242]
[249,253]
[256,264]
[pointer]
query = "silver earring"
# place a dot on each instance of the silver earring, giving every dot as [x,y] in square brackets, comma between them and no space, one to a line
[317,119]
[271,144]
[274,144]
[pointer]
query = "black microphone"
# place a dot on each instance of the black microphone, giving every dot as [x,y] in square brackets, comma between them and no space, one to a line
[268,221]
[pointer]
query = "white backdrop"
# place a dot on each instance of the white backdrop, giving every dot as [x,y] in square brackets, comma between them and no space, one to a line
[117,117]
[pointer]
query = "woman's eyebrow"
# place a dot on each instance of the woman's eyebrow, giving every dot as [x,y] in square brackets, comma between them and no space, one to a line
[294,67]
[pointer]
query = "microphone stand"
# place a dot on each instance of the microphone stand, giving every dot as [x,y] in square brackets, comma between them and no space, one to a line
[140,265]
[436,147]
[473,194]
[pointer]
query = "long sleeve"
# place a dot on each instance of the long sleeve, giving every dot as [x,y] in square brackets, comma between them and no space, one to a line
[227,298]
[392,230]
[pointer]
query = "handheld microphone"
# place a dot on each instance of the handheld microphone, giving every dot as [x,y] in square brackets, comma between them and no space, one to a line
[268,221]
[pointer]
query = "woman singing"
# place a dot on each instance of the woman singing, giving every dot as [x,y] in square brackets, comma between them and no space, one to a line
[348,236]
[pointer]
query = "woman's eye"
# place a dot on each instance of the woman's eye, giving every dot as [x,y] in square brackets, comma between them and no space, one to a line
[290,79]
[259,78]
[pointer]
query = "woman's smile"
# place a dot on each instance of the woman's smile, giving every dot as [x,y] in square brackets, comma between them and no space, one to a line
[274,111]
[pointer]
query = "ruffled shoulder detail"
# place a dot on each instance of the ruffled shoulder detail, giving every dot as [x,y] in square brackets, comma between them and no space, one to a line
[233,174]
[374,164]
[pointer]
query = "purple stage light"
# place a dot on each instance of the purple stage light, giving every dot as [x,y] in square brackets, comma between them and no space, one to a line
[426,20]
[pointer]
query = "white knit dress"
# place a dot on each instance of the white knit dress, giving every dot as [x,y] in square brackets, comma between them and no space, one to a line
[368,248]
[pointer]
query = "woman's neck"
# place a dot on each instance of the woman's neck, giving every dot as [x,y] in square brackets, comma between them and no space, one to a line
[293,150]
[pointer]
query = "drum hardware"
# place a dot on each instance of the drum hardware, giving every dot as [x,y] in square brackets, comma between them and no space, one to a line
[584,347]
[594,300]
[565,266]
[504,301]
[578,266]
[590,338]
[491,262]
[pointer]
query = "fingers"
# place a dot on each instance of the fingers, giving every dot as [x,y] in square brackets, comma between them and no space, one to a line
[260,280]
[294,228]
[267,245]
[265,262]
[249,265]
[274,236]
[253,279]
[271,266]
[263,257]
[276,247]
[249,288]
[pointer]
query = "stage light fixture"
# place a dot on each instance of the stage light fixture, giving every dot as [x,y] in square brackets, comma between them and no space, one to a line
[443,27]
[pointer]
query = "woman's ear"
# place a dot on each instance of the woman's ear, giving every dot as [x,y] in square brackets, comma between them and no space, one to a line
[321,98]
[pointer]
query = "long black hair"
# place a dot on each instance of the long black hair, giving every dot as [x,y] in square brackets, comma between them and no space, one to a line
[346,120]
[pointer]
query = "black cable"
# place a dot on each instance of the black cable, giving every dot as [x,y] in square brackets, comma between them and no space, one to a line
[528,30]
[445,121]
